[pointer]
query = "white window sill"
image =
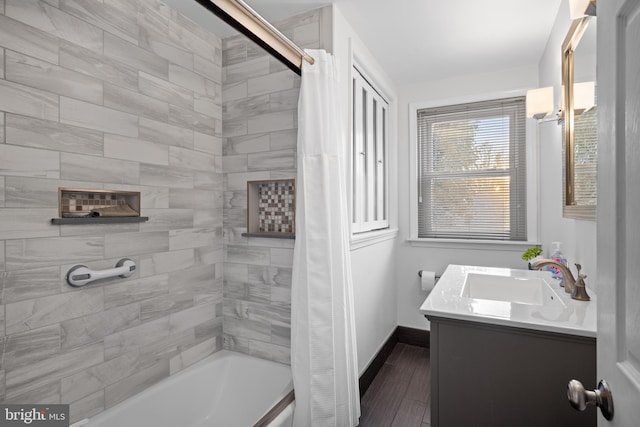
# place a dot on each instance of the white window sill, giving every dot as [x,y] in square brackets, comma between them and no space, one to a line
[490,245]
[369,238]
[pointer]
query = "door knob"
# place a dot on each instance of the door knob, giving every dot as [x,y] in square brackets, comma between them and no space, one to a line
[601,397]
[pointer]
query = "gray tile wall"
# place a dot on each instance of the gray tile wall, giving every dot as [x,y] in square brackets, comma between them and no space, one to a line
[122,95]
[259,110]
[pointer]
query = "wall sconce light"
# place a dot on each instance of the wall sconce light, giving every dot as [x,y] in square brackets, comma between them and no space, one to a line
[580,8]
[540,105]
[540,102]
[584,96]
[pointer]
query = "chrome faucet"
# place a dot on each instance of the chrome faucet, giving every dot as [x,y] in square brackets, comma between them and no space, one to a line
[577,289]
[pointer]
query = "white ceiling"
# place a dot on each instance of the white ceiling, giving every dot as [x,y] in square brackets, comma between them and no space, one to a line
[423,40]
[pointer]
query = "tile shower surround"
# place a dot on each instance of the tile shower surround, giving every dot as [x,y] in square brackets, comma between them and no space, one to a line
[259,120]
[128,95]
[117,95]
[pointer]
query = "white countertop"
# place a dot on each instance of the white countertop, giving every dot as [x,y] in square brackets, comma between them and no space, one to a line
[572,317]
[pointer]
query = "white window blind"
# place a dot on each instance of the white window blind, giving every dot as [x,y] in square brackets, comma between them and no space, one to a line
[472,171]
[369,157]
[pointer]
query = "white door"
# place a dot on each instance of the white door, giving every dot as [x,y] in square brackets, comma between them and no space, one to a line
[619,207]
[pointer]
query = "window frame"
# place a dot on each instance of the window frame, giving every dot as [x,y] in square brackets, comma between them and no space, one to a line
[359,165]
[532,180]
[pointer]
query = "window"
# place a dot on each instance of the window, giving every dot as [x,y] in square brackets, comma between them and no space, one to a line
[369,157]
[472,171]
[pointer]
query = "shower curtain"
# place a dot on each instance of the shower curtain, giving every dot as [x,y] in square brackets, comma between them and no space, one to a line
[323,344]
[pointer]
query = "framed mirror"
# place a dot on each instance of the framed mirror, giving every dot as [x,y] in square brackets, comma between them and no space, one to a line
[580,120]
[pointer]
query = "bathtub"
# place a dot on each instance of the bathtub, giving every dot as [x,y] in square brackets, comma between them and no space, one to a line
[226,389]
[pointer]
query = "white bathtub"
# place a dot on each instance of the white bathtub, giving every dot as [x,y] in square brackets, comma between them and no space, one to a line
[227,389]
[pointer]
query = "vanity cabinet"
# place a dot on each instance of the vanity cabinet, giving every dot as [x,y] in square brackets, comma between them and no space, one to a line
[494,375]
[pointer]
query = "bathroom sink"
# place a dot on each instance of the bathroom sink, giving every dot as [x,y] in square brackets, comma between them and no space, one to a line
[513,289]
[511,298]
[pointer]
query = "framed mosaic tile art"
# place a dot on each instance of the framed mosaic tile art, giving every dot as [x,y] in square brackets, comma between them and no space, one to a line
[271,208]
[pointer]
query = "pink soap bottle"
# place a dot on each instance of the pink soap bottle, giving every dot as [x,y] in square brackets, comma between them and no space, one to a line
[559,257]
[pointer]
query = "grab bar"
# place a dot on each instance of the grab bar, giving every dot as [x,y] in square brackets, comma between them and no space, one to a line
[81,275]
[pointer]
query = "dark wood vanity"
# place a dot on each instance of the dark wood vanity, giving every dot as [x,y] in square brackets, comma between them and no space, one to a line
[494,375]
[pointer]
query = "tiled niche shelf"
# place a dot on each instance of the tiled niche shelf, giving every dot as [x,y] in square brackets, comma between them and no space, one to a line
[271,209]
[83,206]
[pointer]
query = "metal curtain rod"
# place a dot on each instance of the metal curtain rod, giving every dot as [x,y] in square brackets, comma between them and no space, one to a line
[275,31]
[247,21]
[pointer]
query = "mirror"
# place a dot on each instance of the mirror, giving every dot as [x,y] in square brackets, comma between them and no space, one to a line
[580,120]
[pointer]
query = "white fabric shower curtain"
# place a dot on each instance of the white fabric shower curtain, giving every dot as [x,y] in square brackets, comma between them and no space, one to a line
[323,342]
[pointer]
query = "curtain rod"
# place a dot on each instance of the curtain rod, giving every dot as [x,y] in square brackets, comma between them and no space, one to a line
[246,20]
[277,32]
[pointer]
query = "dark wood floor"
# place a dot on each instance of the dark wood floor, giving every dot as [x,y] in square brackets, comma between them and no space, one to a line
[400,394]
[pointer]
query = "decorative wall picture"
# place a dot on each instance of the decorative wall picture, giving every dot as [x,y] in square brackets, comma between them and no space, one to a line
[271,208]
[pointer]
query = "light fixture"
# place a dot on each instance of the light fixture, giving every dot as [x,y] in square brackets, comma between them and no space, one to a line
[580,8]
[540,104]
[584,95]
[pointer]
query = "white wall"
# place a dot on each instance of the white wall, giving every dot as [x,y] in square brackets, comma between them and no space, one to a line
[374,265]
[579,237]
[374,293]
[378,310]
[436,257]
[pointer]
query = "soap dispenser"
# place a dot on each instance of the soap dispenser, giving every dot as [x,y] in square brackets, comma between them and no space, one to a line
[558,256]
